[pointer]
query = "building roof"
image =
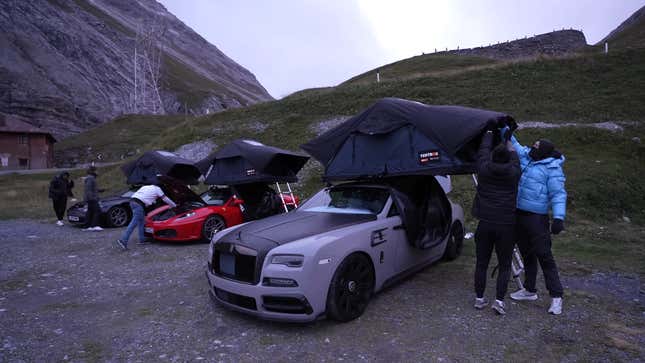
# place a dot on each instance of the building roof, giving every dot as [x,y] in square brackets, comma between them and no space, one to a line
[9,123]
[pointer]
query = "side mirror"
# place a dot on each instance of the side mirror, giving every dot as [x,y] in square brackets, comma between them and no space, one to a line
[238,201]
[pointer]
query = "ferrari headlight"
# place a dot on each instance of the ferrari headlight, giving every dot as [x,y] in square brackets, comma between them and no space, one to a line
[288,260]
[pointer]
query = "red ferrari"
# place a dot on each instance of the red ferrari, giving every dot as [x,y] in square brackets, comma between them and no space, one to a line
[197,217]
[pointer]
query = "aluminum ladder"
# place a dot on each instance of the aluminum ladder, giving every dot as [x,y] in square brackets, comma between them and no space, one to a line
[282,192]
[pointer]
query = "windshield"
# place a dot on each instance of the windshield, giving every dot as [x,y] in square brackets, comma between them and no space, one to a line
[348,199]
[217,196]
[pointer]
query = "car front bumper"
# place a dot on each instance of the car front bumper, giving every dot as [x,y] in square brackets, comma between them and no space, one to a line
[173,232]
[264,302]
[76,217]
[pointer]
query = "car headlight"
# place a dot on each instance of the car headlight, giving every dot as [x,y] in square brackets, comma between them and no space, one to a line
[288,260]
[187,215]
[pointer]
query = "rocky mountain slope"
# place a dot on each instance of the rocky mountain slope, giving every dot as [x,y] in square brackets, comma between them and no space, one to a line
[68,65]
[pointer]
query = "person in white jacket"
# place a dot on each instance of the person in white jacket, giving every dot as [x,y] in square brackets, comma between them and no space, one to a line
[142,198]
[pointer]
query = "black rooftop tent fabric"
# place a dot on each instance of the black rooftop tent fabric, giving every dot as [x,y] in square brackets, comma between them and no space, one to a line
[248,161]
[401,137]
[145,169]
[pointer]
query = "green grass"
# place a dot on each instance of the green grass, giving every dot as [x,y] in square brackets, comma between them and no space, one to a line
[423,65]
[118,138]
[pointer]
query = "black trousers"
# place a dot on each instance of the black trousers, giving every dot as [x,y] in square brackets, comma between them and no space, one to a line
[59,207]
[93,213]
[501,237]
[534,241]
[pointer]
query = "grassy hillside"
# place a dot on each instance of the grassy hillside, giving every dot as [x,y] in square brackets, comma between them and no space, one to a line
[423,65]
[113,140]
[630,34]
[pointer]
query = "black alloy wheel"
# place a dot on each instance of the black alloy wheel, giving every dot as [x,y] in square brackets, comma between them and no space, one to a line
[351,288]
[118,216]
[455,242]
[211,225]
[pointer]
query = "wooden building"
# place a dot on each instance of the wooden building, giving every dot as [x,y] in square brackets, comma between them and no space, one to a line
[23,146]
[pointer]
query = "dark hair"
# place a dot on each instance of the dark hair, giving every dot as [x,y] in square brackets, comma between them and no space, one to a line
[501,154]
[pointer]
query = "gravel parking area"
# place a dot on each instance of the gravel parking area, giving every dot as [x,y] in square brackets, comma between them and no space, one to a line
[70,295]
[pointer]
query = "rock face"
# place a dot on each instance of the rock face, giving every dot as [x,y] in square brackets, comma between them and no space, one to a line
[67,65]
[556,43]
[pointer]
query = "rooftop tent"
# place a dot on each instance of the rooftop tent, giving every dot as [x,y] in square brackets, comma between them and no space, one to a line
[247,161]
[400,137]
[145,169]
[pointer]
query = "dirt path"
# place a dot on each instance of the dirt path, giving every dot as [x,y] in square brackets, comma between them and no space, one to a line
[70,295]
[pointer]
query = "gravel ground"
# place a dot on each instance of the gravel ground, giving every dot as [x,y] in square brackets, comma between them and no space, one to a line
[66,294]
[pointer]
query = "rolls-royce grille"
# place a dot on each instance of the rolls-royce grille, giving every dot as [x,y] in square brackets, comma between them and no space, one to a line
[235,263]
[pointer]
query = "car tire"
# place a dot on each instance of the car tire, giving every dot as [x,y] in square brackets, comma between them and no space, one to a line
[211,225]
[351,288]
[455,243]
[118,216]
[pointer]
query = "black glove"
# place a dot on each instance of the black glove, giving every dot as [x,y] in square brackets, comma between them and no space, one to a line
[557,226]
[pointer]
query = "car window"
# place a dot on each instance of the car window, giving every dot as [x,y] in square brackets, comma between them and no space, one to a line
[350,199]
[217,196]
[394,211]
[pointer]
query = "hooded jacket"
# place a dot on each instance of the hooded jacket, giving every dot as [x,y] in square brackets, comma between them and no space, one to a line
[541,184]
[59,188]
[497,185]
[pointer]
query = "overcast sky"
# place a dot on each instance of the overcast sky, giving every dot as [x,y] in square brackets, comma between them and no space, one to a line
[295,44]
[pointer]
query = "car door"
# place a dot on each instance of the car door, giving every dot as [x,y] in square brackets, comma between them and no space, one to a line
[394,233]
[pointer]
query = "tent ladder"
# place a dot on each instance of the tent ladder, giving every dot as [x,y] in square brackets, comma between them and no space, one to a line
[286,191]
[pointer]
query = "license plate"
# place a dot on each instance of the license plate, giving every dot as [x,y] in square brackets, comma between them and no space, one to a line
[72,218]
[149,230]
[227,264]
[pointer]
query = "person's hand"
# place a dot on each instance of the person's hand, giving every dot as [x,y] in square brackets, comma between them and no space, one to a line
[557,226]
[73,199]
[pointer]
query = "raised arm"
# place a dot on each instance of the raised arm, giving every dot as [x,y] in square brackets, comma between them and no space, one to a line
[483,154]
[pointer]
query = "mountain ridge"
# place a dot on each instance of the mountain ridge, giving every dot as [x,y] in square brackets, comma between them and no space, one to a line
[68,65]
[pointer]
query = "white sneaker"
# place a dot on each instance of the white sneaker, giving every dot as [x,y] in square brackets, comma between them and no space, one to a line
[480,303]
[499,307]
[523,294]
[556,306]
[88,229]
[60,223]
[97,229]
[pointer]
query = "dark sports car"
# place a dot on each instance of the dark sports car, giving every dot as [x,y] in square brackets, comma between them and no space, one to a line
[115,211]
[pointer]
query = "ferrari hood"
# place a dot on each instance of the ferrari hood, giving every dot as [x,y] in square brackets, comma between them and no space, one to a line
[270,232]
[178,192]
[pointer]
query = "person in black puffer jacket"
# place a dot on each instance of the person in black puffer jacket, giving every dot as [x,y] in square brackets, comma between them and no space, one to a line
[498,173]
[59,189]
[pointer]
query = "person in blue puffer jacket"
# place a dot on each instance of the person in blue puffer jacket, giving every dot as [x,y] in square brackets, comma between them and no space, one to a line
[541,188]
